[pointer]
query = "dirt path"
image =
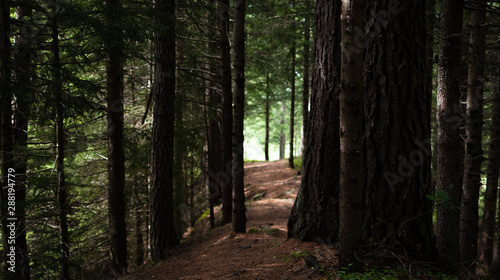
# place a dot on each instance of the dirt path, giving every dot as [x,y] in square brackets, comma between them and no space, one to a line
[263,252]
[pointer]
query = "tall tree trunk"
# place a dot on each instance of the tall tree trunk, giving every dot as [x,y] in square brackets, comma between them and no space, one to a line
[490,197]
[116,156]
[139,239]
[227,114]
[293,52]
[495,263]
[397,164]
[282,132]
[449,143]
[215,120]
[473,151]
[210,163]
[6,144]
[239,216]
[431,27]
[62,189]
[268,108]
[305,84]
[23,72]
[315,213]
[351,136]
[163,236]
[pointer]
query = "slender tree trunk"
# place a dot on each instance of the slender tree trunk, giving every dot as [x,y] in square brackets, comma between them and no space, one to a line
[315,214]
[215,120]
[139,240]
[495,263]
[351,137]
[305,84]
[116,156]
[210,163]
[282,132]
[180,180]
[268,107]
[6,144]
[397,165]
[227,114]
[449,143]
[490,197]
[293,52]
[163,236]
[431,27]
[473,151]
[62,189]
[23,72]
[239,216]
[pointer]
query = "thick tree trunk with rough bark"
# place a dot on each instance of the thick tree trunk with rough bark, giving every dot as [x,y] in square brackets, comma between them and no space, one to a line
[239,215]
[397,135]
[116,155]
[473,132]
[163,235]
[490,197]
[227,114]
[449,143]
[351,136]
[315,214]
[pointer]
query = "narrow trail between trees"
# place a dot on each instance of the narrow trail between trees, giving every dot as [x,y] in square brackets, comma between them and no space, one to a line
[263,252]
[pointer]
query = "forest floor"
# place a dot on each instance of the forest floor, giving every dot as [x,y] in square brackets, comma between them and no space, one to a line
[264,252]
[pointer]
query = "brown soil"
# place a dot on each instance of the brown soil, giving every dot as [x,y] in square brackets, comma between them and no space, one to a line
[263,252]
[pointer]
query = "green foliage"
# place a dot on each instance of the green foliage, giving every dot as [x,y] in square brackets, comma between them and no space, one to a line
[443,198]
[297,163]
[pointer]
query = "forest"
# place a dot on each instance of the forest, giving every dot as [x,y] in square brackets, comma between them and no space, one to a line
[124,124]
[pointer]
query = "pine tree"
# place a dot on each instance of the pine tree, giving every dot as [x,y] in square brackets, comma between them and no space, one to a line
[473,133]
[315,213]
[239,216]
[163,236]
[448,115]
[351,137]
[116,158]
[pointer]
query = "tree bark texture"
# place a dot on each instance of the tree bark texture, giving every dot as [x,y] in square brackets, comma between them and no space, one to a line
[116,156]
[163,236]
[473,139]
[449,143]
[490,197]
[397,130]
[239,215]
[215,118]
[227,114]
[351,136]
[315,213]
